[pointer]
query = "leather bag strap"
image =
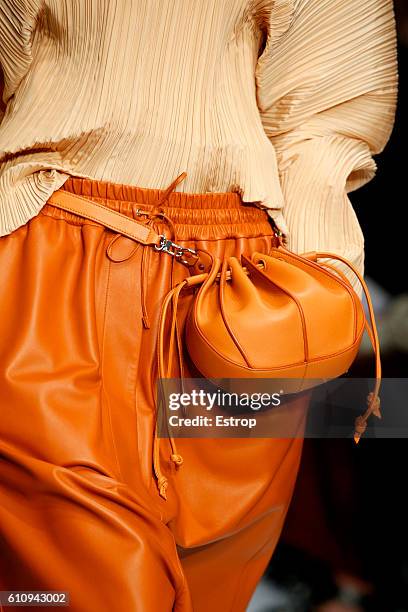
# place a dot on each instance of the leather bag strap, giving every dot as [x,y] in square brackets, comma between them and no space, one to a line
[112,219]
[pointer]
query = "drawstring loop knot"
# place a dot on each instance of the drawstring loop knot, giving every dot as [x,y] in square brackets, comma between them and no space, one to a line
[177,459]
[162,485]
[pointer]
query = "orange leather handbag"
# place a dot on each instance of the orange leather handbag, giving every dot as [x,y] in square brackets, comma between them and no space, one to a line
[279,315]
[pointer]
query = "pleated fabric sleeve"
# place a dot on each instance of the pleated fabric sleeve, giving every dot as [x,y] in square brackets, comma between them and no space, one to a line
[327,92]
[17,19]
[2,106]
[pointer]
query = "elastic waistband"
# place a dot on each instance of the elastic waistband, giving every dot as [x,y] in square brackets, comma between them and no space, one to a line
[121,193]
[212,215]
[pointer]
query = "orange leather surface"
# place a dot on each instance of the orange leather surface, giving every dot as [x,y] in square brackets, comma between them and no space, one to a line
[281,320]
[80,510]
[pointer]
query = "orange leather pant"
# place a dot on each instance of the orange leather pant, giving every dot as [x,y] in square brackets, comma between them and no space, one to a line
[80,509]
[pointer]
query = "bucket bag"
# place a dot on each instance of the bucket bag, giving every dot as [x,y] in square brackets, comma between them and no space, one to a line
[278,315]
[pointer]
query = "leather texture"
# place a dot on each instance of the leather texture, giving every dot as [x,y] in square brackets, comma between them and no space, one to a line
[80,508]
[287,319]
[266,323]
[109,218]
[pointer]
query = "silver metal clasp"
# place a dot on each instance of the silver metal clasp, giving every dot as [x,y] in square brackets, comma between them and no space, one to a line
[141,213]
[172,248]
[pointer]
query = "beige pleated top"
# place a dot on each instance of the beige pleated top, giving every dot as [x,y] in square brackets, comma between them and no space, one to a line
[282,101]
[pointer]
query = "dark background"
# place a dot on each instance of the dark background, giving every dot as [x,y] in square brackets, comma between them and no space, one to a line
[344,547]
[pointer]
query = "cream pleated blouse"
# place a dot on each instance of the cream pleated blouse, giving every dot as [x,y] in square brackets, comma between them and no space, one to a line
[282,101]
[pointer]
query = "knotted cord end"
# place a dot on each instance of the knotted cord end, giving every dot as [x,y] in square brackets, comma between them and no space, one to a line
[177,459]
[360,425]
[162,485]
[374,404]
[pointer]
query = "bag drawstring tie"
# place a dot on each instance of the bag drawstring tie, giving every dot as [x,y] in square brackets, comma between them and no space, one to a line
[373,399]
[155,214]
[162,373]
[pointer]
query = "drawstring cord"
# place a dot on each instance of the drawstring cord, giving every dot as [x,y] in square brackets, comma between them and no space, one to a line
[155,214]
[171,300]
[143,286]
[164,372]
[373,399]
